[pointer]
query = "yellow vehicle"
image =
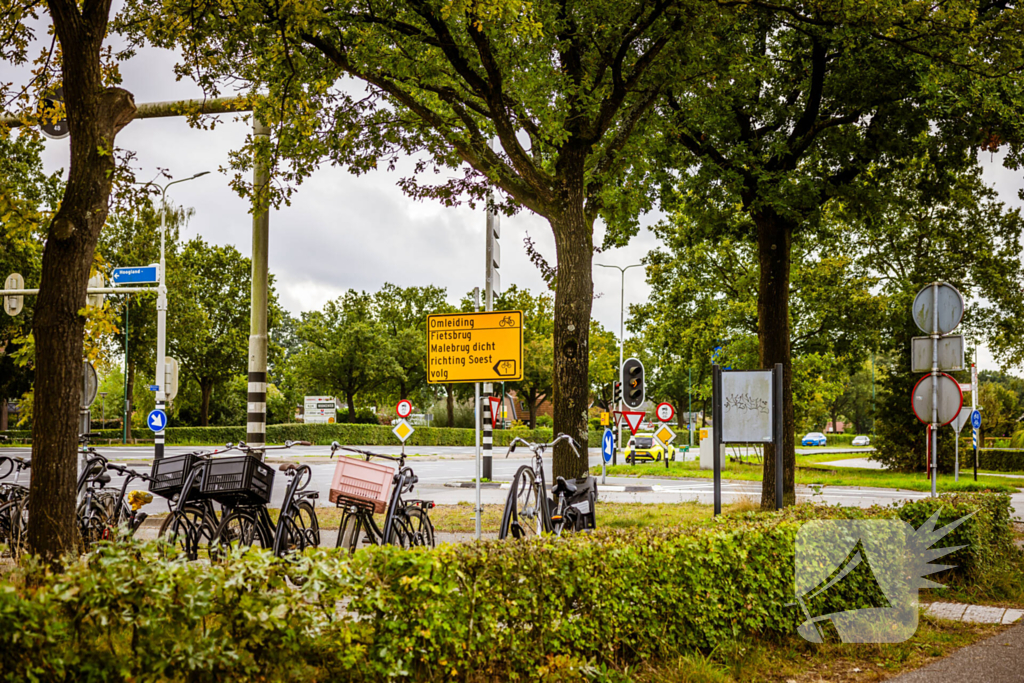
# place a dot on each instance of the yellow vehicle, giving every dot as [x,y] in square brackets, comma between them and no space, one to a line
[645,448]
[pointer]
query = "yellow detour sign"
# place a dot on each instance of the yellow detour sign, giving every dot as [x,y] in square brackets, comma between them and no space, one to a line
[475,347]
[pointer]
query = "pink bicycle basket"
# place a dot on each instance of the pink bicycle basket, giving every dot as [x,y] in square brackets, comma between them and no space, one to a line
[363,484]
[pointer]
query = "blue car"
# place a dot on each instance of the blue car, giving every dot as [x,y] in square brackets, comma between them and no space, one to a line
[813,439]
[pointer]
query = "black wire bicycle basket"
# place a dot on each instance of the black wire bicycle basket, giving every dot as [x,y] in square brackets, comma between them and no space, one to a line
[169,474]
[242,480]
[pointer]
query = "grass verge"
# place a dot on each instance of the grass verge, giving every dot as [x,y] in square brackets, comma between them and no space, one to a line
[792,659]
[811,473]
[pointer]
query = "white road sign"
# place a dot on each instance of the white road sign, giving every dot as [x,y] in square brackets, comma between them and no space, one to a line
[320,410]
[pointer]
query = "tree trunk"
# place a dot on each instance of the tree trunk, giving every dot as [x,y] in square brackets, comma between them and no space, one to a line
[531,402]
[773,244]
[574,295]
[95,115]
[3,414]
[205,391]
[450,389]
[351,399]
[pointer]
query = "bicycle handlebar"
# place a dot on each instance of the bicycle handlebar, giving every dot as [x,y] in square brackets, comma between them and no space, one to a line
[538,448]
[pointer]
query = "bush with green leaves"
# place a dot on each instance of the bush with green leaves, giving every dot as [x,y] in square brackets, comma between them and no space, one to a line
[474,612]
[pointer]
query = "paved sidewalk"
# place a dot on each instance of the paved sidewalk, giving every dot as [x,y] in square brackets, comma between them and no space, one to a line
[999,659]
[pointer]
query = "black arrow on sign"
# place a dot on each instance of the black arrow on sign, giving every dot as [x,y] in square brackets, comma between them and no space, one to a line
[505,368]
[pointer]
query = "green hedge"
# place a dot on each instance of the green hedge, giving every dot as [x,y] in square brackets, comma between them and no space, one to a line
[354,434]
[524,611]
[990,459]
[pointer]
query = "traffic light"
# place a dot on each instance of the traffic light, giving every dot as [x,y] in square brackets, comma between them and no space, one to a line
[617,393]
[633,377]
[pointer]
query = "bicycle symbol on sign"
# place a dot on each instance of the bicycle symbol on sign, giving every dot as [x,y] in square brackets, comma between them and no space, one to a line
[507,321]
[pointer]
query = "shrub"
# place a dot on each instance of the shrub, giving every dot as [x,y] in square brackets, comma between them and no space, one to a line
[478,612]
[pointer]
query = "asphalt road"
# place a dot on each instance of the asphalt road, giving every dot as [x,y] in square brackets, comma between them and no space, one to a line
[440,467]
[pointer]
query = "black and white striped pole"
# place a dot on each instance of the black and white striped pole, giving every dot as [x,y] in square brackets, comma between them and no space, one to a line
[256,399]
[488,435]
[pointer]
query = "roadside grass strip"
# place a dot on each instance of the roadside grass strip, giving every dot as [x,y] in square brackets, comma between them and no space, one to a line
[815,473]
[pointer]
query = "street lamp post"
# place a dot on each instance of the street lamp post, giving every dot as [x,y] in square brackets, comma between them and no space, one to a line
[622,338]
[161,314]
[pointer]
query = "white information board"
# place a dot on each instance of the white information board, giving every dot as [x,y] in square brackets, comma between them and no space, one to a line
[320,410]
[747,406]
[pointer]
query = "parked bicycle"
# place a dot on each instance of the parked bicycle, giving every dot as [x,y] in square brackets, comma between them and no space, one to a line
[243,485]
[360,487]
[193,522]
[13,504]
[529,511]
[101,510]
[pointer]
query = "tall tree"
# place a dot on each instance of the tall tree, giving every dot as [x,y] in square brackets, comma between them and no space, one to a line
[96,111]
[207,315]
[567,90]
[807,97]
[346,350]
[27,198]
[403,313]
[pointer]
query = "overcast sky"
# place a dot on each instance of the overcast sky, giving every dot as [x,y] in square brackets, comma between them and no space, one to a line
[343,231]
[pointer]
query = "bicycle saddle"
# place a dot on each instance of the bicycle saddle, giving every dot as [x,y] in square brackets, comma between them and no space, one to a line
[102,479]
[563,486]
[288,466]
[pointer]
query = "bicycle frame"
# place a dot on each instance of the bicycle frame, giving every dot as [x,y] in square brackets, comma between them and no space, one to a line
[543,503]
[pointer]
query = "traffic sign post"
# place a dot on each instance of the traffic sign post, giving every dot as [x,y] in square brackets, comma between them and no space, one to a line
[665,412]
[475,347]
[403,430]
[938,309]
[404,408]
[975,426]
[143,275]
[633,419]
[665,436]
[156,421]
[958,423]
[607,451]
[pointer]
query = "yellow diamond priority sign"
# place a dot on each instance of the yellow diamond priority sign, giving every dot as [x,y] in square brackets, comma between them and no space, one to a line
[664,435]
[403,430]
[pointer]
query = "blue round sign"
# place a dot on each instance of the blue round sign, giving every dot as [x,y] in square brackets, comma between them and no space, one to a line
[608,445]
[156,420]
[976,419]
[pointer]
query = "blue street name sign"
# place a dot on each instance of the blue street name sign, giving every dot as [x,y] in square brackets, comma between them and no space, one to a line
[144,275]
[608,445]
[976,419]
[157,420]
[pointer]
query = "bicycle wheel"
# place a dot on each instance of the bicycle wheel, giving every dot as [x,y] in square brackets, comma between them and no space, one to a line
[350,531]
[523,515]
[242,527]
[299,530]
[13,525]
[420,529]
[190,530]
[401,532]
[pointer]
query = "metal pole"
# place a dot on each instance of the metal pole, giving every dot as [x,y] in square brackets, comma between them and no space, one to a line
[124,422]
[872,393]
[689,404]
[256,399]
[161,329]
[935,386]
[779,428]
[974,407]
[476,427]
[716,440]
[622,342]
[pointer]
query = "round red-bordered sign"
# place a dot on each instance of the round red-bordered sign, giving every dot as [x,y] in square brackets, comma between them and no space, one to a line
[404,408]
[665,412]
[920,399]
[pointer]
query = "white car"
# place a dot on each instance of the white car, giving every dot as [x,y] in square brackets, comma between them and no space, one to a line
[861,441]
